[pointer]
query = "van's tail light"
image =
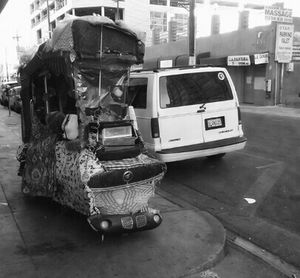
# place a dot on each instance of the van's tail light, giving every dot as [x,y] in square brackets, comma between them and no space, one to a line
[154,128]
[239,115]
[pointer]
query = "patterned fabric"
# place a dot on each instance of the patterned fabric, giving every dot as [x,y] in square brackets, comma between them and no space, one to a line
[140,160]
[56,171]
[126,199]
[39,173]
[72,190]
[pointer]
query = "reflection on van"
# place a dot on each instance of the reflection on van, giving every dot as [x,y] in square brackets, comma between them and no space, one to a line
[188,112]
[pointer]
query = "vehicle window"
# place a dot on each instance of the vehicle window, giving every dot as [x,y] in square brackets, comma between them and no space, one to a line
[193,88]
[137,92]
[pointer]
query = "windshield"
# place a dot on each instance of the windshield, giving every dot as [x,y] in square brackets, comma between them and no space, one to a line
[193,88]
[106,100]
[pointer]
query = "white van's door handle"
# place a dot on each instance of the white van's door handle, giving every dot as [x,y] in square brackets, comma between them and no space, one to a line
[201,110]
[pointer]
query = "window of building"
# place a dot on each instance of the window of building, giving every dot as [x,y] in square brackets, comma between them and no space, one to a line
[32,22]
[182,23]
[37,4]
[112,13]
[44,13]
[53,25]
[51,7]
[39,35]
[61,17]
[60,4]
[158,21]
[137,92]
[88,11]
[31,8]
[158,2]
[38,18]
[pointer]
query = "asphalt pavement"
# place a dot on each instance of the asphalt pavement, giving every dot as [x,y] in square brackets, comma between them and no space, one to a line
[43,239]
[40,238]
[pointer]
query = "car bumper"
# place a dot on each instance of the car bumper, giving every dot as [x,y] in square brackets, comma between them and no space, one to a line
[125,223]
[202,150]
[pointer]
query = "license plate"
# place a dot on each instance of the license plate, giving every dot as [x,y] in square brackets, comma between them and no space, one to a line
[213,123]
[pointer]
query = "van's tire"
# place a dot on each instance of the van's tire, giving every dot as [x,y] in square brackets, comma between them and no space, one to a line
[216,156]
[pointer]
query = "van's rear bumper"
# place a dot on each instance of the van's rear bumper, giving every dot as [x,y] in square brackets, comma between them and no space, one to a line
[203,149]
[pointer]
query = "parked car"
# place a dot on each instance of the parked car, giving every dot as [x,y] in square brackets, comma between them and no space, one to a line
[187,112]
[4,89]
[15,99]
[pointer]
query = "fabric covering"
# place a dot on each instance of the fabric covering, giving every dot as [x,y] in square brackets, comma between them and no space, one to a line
[65,70]
[39,176]
[52,170]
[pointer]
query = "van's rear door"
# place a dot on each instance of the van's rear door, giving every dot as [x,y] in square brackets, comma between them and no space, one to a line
[220,118]
[180,125]
[196,106]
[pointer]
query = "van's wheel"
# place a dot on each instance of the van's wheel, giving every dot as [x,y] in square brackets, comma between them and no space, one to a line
[216,156]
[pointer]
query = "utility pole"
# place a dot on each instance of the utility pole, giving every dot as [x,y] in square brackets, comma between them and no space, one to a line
[6,65]
[118,10]
[17,38]
[192,58]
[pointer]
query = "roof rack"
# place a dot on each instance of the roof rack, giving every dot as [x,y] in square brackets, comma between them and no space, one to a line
[176,67]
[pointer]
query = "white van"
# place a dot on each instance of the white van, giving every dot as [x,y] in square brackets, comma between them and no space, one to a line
[187,112]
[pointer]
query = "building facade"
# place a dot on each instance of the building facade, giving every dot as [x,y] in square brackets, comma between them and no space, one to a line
[155,17]
[250,57]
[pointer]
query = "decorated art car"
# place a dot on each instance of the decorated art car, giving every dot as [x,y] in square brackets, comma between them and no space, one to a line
[81,145]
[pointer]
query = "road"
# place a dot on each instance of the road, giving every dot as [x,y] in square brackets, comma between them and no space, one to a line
[54,242]
[266,171]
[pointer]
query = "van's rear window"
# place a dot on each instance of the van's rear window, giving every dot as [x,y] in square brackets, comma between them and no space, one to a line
[193,88]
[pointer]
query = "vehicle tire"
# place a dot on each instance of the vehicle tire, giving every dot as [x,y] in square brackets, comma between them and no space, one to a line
[216,156]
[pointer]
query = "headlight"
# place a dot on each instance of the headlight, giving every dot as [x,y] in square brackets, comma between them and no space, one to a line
[156,218]
[104,224]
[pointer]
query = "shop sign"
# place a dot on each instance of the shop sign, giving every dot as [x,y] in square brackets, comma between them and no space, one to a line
[296,47]
[296,53]
[284,43]
[238,60]
[262,58]
[278,14]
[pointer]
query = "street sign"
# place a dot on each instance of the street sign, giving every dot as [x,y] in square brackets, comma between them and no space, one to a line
[296,53]
[238,60]
[284,43]
[261,58]
[278,14]
[296,46]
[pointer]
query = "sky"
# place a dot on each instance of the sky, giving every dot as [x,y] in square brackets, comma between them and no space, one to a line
[15,21]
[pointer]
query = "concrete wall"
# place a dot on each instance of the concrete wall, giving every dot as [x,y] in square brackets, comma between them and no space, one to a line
[251,41]
[247,42]
[233,43]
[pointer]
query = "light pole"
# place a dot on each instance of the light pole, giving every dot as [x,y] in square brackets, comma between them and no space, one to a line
[192,58]
[118,10]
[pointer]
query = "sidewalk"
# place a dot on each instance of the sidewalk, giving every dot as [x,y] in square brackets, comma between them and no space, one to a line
[40,238]
[272,110]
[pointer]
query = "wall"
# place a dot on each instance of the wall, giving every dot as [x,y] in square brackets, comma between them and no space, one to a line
[251,41]
[291,81]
